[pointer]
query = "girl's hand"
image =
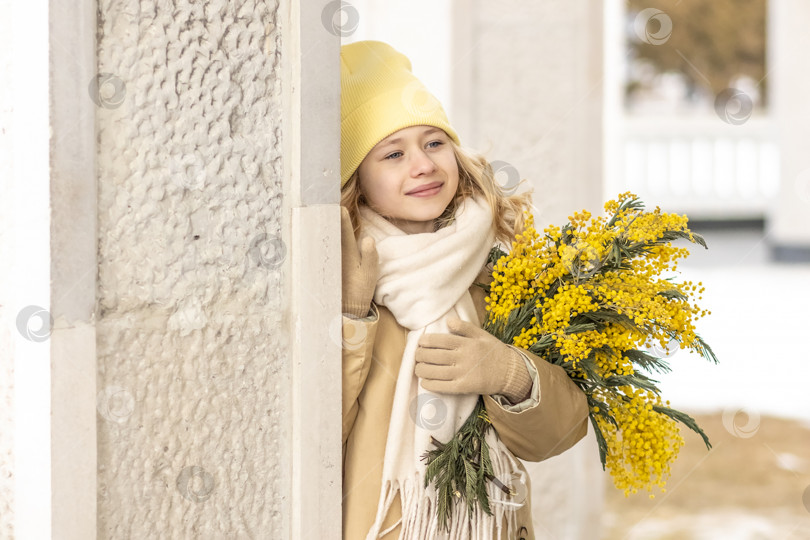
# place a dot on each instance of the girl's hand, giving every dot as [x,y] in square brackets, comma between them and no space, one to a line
[360,268]
[470,360]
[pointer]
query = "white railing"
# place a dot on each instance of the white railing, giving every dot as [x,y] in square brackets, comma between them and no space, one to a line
[701,166]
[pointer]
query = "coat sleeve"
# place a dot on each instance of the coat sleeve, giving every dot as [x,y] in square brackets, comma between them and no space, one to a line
[358,345]
[549,425]
[552,419]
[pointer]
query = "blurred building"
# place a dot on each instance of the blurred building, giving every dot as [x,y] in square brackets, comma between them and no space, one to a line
[706,141]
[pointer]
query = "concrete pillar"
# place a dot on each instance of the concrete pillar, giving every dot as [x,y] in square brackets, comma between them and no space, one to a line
[193,341]
[219,271]
[312,150]
[527,91]
[788,221]
[169,270]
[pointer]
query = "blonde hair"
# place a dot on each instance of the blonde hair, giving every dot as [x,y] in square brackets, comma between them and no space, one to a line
[475,177]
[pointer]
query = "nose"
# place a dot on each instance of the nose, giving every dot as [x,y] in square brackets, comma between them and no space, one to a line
[421,163]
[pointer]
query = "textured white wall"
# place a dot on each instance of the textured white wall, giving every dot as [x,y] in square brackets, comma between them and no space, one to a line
[192,352]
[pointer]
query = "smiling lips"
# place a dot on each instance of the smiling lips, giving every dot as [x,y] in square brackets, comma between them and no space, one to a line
[427,190]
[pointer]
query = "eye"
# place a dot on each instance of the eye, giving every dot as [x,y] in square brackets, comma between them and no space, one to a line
[393,155]
[437,143]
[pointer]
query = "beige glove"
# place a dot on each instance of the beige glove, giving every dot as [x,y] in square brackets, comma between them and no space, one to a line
[359,268]
[470,360]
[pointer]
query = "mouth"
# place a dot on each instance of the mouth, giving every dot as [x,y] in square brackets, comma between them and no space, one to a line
[427,190]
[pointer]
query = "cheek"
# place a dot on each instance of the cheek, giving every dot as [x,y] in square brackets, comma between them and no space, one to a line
[452,169]
[375,189]
[367,180]
[447,160]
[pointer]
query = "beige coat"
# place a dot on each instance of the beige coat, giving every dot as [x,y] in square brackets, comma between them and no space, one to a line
[533,430]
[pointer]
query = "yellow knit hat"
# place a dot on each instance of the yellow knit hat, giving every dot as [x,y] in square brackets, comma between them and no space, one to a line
[378,96]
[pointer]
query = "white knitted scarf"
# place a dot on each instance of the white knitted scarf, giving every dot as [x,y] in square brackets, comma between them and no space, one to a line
[423,279]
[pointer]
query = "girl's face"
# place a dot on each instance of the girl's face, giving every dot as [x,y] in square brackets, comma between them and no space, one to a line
[395,173]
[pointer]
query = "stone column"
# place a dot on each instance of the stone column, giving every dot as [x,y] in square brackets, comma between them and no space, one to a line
[218,270]
[194,370]
[788,224]
[312,151]
[169,270]
[527,91]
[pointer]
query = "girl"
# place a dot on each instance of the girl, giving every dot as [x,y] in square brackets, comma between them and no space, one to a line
[415,358]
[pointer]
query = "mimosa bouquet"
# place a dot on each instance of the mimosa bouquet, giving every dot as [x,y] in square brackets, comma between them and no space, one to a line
[594,297]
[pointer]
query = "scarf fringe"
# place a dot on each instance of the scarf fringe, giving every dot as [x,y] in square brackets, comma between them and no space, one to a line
[420,519]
